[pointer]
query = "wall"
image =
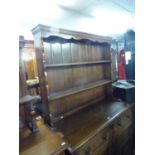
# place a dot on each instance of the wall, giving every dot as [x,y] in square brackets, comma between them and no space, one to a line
[129,39]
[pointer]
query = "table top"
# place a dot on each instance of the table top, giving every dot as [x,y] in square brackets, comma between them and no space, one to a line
[26,99]
[123,84]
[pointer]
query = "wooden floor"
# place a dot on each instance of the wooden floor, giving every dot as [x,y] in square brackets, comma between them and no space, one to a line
[44,142]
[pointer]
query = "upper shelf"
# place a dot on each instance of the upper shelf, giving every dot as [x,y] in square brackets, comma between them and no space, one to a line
[75,90]
[78,64]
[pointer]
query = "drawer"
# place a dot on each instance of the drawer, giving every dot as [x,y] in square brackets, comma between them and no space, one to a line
[122,123]
[123,138]
[126,119]
[101,150]
[120,142]
[99,143]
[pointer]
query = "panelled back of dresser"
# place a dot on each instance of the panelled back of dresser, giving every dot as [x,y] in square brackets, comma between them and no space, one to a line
[76,75]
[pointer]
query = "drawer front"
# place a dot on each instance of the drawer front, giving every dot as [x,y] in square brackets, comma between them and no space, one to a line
[99,143]
[101,150]
[126,119]
[120,142]
[121,132]
[122,139]
[122,123]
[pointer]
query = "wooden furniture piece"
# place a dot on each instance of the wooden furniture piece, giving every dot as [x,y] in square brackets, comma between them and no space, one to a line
[44,142]
[74,72]
[29,59]
[33,84]
[27,67]
[26,104]
[124,90]
[22,78]
[101,129]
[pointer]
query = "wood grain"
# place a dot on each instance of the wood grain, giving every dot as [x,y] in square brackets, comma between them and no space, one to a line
[44,142]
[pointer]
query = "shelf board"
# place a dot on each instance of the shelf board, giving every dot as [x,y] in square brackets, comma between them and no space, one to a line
[77,109]
[61,94]
[77,64]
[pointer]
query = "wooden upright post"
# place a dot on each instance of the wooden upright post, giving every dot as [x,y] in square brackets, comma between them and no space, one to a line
[38,32]
[22,79]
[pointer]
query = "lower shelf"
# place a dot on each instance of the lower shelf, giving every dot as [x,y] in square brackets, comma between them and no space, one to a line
[79,89]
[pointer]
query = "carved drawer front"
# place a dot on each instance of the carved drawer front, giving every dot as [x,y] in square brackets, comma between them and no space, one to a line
[96,145]
[122,123]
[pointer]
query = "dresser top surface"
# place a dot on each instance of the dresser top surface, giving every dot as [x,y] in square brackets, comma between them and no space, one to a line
[81,126]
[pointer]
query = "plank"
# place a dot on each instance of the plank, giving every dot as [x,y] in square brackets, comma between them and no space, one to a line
[75,90]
